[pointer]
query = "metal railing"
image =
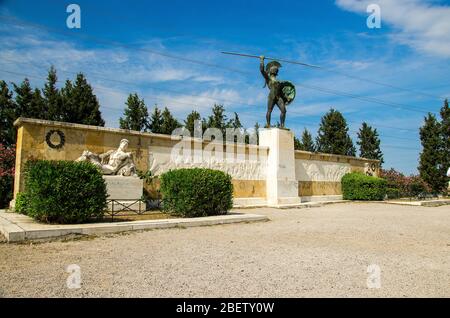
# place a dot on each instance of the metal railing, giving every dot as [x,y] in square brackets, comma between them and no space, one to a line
[125,207]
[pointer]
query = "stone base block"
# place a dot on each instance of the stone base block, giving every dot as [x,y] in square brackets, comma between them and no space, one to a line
[284,201]
[249,202]
[124,188]
[281,185]
[321,198]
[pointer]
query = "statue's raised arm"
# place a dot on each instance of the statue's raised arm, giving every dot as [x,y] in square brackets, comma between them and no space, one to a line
[263,71]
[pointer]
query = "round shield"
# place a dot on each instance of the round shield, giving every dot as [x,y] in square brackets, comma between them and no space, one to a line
[288,92]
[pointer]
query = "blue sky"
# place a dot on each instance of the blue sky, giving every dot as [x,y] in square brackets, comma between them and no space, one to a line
[136,46]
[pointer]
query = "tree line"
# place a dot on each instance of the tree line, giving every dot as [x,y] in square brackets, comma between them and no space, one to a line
[75,102]
[333,137]
[137,117]
[434,158]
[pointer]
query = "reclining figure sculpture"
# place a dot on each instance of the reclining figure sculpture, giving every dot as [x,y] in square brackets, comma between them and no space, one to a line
[114,162]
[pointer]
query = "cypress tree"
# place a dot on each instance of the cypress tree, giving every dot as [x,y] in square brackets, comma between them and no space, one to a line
[369,143]
[37,106]
[24,97]
[252,135]
[445,136]
[155,121]
[189,122]
[80,105]
[8,115]
[168,122]
[297,144]
[235,122]
[52,96]
[218,119]
[29,102]
[333,136]
[135,114]
[256,131]
[307,142]
[66,99]
[430,164]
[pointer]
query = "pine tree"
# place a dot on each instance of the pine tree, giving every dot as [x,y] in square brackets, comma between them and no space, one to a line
[168,122]
[430,164]
[307,142]
[189,122]
[66,100]
[297,144]
[52,96]
[37,106]
[235,122]
[24,96]
[29,102]
[445,136]
[7,116]
[155,121]
[333,136]
[256,131]
[80,105]
[135,114]
[369,143]
[218,119]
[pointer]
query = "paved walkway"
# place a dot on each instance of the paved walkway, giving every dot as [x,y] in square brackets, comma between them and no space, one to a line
[16,227]
[323,251]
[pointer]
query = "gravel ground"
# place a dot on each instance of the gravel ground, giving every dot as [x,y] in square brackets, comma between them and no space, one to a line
[315,252]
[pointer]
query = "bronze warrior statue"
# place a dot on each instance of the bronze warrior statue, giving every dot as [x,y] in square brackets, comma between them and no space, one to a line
[282,93]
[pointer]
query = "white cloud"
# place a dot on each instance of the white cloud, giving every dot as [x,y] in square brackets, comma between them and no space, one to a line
[422,25]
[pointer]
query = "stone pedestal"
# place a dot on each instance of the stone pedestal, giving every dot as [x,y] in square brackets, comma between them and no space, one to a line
[125,190]
[281,185]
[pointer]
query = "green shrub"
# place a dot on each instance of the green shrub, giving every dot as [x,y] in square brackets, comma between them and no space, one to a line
[393,193]
[196,192]
[400,186]
[63,191]
[21,203]
[418,187]
[358,186]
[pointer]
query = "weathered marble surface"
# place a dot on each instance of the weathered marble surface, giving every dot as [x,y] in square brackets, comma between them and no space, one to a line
[313,170]
[114,162]
[125,190]
[281,185]
[160,161]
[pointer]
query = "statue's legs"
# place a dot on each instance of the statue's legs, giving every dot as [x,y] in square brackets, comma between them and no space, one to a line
[107,169]
[270,105]
[282,107]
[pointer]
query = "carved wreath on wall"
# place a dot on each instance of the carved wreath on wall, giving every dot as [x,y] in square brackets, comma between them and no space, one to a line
[62,139]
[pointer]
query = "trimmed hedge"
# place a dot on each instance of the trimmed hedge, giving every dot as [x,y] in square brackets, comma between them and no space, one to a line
[196,192]
[62,191]
[21,203]
[358,186]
